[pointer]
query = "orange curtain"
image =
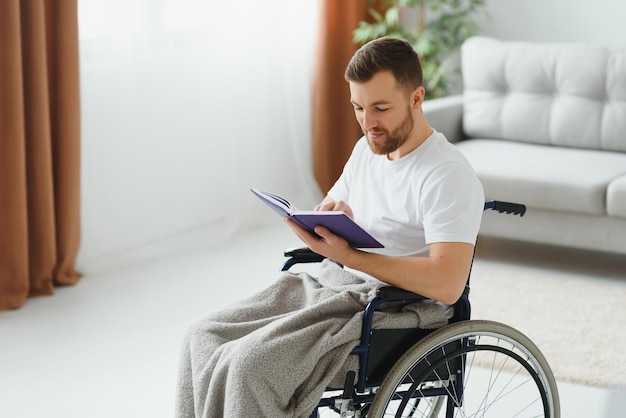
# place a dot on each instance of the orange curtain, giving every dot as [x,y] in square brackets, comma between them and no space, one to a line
[335,130]
[39,148]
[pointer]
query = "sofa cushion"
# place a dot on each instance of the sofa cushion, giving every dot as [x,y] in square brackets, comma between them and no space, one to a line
[546,177]
[616,197]
[565,94]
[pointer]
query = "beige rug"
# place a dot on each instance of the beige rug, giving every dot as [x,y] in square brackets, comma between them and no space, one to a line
[575,315]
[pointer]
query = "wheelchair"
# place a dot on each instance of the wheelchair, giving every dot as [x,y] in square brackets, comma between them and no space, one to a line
[468,368]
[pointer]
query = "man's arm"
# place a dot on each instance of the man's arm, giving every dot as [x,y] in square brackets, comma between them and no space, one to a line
[440,276]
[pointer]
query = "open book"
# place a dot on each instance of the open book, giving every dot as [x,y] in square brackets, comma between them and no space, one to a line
[337,222]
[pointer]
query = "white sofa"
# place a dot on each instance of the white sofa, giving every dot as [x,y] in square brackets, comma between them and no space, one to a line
[544,124]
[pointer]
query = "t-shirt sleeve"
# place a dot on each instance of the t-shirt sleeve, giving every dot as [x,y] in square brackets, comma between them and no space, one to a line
[452,205]
[341,188]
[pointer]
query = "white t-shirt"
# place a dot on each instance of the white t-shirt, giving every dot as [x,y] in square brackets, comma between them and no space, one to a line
[430,195]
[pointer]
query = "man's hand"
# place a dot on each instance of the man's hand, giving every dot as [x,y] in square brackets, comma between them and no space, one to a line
[327,244]
[329,204]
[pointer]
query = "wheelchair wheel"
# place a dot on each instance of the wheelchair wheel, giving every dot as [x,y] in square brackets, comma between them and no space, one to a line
[482,368]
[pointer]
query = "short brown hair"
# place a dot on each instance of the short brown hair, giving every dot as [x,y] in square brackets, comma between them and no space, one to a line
[386,54]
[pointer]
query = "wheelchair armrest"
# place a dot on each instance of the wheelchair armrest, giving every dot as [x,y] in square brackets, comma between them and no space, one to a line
[395,293]
[300,255]
[304,252]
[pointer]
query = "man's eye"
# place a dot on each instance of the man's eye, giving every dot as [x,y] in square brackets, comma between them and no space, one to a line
[382,109]
[358,109]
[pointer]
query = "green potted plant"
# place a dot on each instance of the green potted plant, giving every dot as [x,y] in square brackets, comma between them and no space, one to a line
[439,29]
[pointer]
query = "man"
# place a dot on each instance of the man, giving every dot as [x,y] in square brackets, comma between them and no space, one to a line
[412,189]
[274,353]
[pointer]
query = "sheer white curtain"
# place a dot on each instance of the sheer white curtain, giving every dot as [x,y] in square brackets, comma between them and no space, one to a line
[186,104]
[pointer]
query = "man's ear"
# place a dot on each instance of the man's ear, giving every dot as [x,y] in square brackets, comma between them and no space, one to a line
[417,98]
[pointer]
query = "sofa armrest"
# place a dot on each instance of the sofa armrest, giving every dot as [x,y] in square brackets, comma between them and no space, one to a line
[445,115]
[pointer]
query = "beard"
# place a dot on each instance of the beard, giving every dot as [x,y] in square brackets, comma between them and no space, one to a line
[392,140]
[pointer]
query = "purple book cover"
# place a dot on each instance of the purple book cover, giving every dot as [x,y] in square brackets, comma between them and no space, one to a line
[337,222]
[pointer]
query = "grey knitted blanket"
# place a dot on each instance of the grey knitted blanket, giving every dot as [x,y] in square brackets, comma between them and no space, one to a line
[273,354]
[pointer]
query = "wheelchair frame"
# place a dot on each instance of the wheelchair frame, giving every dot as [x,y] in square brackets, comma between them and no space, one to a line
[390,359]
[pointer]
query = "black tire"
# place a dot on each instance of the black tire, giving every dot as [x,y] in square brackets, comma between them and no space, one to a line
[504,375]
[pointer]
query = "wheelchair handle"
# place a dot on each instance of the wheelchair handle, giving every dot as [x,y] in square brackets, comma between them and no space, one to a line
[508,207]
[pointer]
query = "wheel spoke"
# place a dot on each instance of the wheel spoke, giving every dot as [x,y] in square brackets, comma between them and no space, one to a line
[504,374]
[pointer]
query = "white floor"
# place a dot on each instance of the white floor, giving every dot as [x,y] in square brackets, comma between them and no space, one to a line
[109,346]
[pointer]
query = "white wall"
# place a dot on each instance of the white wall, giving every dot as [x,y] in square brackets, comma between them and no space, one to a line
[598,21]
[186,104]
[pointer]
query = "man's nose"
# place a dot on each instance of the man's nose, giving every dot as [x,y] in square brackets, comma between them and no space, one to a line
[369,121]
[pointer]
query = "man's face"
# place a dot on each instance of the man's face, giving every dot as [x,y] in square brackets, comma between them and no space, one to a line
[383,111]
